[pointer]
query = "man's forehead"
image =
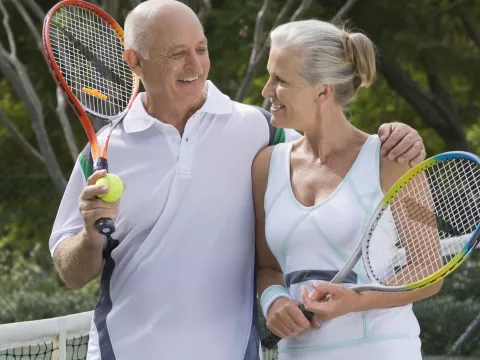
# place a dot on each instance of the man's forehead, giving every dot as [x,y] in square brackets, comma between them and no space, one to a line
[173,40]
[170,34]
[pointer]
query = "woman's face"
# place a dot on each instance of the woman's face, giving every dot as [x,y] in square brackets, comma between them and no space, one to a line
[294,100]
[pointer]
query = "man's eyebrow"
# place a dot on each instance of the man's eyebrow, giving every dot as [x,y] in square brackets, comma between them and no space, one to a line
[179,47]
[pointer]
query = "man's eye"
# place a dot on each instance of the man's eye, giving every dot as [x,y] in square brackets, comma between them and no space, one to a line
[202,50]
[179,54]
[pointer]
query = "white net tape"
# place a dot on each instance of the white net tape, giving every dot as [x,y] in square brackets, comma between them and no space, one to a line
[59,338]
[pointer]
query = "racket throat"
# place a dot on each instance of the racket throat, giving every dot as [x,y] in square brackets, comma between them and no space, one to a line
[101,164]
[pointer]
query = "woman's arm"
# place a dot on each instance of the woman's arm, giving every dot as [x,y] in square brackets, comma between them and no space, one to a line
[342,300]
[269,272]
[282,313]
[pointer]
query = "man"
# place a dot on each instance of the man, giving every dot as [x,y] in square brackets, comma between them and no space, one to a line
[180,283]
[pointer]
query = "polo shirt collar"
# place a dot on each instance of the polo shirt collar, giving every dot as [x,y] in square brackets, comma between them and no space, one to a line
[137,119]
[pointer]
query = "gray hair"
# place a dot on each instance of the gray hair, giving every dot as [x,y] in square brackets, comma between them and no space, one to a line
[330,55]
[136,28]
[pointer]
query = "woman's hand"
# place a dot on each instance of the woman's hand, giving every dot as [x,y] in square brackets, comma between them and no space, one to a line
[286,320]
[328,301]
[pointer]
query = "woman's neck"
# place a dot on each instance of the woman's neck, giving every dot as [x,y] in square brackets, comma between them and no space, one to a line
[330,135]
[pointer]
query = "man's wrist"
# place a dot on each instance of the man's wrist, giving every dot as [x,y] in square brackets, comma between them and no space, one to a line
[91,238]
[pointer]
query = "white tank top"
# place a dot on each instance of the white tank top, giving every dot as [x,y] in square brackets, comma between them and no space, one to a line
[312,244]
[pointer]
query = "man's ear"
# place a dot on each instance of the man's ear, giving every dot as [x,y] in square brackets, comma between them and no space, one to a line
[133,61]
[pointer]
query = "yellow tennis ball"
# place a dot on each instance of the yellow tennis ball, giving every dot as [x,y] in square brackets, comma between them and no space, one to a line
[115,187]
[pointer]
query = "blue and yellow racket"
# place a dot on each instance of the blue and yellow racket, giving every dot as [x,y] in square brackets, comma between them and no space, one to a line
[425,226]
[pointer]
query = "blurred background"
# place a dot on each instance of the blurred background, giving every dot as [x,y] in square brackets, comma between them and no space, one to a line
[428,76]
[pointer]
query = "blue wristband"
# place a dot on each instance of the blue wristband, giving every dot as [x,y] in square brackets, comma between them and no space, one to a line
[271,294]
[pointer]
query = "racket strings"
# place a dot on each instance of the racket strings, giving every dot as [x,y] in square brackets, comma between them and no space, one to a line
[89,53]
[429,223]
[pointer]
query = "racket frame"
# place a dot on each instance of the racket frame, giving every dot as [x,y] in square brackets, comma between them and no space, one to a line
[362,249]
[99,155]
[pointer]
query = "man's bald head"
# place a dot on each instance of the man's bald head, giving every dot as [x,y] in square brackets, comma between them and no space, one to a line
[154,20]
[166,47]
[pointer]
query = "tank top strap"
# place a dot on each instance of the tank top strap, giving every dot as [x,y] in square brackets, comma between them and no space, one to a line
[278,174]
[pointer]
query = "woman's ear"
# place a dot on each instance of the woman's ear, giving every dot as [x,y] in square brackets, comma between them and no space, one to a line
[324,92]
[133,61]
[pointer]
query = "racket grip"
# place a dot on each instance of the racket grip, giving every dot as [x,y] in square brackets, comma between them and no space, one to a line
[270,339]
[101,164]
[105,226]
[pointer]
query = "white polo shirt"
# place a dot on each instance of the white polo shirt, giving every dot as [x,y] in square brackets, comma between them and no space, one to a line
[180,284]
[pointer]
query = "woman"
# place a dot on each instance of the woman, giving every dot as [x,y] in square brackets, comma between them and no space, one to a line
[314,196]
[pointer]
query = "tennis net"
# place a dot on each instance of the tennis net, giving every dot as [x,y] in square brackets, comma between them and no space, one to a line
[59,338]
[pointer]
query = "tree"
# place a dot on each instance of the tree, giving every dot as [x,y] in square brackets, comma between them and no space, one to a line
[428,65]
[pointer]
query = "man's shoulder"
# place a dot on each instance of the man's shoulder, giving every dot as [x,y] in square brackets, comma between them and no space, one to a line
[260,118]
[251,110]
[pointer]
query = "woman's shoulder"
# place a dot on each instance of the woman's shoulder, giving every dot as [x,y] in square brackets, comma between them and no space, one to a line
[261,163]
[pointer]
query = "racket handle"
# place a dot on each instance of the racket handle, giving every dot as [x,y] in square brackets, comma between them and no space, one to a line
[270,339]
[105,226]
[101,164]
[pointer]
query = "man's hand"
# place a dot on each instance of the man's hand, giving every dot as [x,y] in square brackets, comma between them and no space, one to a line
[328,301]
[286,320]
[401,143]
[92,208]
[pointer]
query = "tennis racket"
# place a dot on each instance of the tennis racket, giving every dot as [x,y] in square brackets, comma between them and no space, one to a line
[83,46]
[425,226]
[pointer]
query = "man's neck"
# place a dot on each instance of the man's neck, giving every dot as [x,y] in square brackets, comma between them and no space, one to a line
[175,114]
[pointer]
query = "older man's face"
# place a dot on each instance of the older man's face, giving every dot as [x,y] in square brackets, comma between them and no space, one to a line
[178,63]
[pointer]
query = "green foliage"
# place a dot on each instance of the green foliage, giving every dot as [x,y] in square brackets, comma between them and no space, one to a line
[442,319]
[412,32]
[30,291]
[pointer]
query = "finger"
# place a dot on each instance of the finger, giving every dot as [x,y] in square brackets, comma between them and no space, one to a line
[316,295]
[303,291]
[332,291]
[394,138]
[287,318]
[419,158]
[384,131]
[298,317]
[328,287]
[96,203]
[278,329]
[281,324]
[401,148]
[318,308]
[314,322]
[92,191]
[92,179]
[93,216]
[411,152]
